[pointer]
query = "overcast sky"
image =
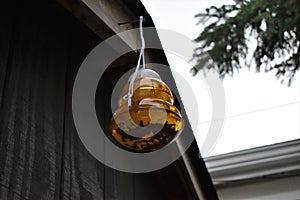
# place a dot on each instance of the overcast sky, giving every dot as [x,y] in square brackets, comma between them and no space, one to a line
[259,109]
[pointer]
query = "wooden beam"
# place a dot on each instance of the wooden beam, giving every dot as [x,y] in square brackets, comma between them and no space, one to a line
[103,17]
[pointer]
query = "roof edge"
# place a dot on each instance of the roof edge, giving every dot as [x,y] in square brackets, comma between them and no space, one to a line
[281,158]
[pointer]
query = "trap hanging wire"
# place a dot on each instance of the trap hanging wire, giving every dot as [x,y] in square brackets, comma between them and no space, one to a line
[141,56]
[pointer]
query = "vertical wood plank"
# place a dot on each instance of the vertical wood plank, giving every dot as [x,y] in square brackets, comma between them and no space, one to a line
[31,115]
[118,185]
[82,174]
[6,21]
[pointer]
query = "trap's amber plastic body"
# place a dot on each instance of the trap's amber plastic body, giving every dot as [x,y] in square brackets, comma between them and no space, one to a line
[152,121]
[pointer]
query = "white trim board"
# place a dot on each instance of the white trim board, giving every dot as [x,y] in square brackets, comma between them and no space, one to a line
[282,158]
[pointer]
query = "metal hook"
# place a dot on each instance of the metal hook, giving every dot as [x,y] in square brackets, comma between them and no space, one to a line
[131,22]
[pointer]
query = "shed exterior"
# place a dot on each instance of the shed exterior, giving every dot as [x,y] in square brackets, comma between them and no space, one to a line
[42,45]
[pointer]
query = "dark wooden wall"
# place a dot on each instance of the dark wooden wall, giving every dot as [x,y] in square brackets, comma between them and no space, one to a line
[41,155]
